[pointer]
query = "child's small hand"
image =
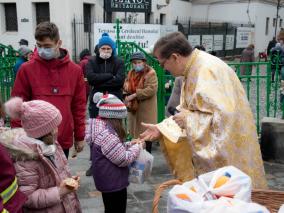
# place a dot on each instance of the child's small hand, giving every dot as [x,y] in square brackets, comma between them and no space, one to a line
[136,141]
[64,189]
[77,178]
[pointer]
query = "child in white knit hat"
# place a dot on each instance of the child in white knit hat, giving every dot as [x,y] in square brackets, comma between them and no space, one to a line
[110,155]
[41,166]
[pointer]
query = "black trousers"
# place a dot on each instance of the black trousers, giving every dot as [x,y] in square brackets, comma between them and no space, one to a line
[148,146]
[115,202]
[66,152]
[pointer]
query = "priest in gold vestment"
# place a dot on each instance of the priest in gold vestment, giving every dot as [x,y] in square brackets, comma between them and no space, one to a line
[214,114]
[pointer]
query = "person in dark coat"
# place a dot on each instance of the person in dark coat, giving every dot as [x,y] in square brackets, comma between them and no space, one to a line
[271,44]
[200,47]
[277,56]
[247,56]
[105,72]
[84,58]
[24,53]
[23,42]
[174,100]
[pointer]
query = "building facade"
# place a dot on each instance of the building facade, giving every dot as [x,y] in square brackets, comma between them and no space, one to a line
[259,14]
[18,18]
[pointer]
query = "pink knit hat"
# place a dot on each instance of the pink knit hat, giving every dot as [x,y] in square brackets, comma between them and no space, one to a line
[38,117]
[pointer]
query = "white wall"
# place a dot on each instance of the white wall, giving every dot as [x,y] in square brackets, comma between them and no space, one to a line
[176,8]
[236,13]
[25,30]
[261,15]
[230,12]
[61,13]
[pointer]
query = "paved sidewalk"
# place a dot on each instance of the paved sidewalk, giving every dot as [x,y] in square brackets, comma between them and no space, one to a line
[140,196]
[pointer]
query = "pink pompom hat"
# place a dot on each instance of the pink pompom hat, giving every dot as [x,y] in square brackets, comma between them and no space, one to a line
[38,117]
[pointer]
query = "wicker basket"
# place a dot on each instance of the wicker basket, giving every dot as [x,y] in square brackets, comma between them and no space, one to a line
[272,200]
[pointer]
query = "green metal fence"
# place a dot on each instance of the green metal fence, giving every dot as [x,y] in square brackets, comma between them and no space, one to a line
[125,51]
[8,58]
[263,94]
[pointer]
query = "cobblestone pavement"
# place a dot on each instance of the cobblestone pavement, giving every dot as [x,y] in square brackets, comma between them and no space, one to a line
[140,196]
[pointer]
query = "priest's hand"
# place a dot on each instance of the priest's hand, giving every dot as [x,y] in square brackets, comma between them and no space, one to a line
[151,133]
[180,119]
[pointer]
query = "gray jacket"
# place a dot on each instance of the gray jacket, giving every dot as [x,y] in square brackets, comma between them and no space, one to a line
[174,100]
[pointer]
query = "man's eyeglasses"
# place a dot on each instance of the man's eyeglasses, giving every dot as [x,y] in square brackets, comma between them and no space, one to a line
[163,62]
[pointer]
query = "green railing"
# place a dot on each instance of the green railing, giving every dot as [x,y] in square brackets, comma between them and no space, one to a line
[8,58]
[262,94]
[125,51]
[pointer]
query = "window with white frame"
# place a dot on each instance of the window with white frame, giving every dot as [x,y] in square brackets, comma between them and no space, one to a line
[274,22]
[42,12]
[87,13]
[11,20]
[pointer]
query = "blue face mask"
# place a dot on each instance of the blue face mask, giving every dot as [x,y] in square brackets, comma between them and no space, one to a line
[47,53]
[138,68]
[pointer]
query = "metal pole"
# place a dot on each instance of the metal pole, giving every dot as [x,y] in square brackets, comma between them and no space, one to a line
[89,35]
[104,11]
[278,7]
[225,38]
[118,27]
[75,39]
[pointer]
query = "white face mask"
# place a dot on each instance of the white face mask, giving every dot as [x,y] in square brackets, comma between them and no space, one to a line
[105,55]
[47,53]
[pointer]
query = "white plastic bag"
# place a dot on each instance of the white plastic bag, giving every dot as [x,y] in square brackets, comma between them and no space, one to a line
[205,190]
[228,205]
[281,210]
[185,198]
[141,168]
[238,185]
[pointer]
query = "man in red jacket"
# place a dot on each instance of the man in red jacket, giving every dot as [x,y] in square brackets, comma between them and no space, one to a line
[51,76]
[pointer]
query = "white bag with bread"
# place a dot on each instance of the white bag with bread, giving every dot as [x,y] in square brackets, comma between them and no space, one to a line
[226,190]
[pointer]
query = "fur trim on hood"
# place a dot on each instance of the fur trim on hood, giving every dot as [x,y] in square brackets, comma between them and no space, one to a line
[17,153]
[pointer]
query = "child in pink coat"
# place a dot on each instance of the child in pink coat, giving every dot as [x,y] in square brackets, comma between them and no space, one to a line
[41,166]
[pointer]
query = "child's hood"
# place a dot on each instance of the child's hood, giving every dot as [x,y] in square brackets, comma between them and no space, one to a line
[17,144]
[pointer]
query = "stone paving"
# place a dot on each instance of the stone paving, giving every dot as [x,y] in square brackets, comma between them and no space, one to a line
[140,196]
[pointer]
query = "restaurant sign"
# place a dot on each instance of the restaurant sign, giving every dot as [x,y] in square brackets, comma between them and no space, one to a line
[142,6]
